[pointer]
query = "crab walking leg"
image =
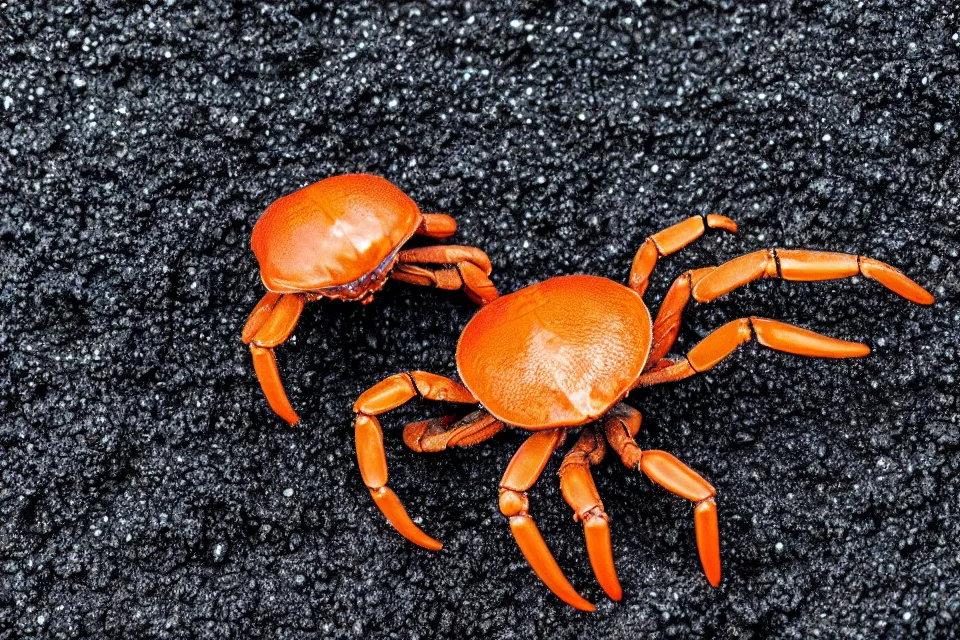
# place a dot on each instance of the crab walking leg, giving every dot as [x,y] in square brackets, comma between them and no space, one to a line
[620,427]
[437,435]
[437,225]
[705,285]
[446,254]
[580,492]
[380,398]
[271,323]
[470,270]
[671,240]
[667,325]
[674,476]
[805,266]
[467,276]
[523,471]
[779,336]
[259,315]
[678,478]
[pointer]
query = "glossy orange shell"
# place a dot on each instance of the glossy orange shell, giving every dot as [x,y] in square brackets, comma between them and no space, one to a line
[557,353]
[332,232]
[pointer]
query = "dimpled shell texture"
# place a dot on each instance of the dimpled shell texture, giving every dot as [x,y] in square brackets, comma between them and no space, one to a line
[557,353]
[332,232]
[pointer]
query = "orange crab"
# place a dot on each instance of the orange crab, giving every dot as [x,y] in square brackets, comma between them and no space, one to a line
[341,238]
[564,354]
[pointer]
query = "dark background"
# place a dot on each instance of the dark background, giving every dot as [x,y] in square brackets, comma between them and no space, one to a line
[147,490]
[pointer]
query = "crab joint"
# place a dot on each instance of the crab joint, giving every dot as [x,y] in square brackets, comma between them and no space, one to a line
[513,503]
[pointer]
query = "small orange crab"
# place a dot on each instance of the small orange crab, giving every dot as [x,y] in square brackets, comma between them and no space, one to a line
[340,238]
[564,354]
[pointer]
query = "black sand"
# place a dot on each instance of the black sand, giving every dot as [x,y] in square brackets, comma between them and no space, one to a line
[146,490]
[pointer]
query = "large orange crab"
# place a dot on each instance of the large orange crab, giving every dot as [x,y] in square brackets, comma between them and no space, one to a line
[341,238]
[564,354]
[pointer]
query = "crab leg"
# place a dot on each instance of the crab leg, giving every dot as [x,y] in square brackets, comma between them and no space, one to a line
[437,225]
[705,285]
[804,266]
[671,240]
[437,435]
[667,325]
[446,278]
[270,324]
[770,333]
[259,315]
[380,398]
[469,269]
[620,427]
[523,471]
[676,477]
[580,492]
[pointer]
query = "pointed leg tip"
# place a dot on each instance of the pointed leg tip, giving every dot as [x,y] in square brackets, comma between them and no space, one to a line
[418,537]
[716,221]
[433,544]
[542,562]
[597,532]
[585,606]
[895,280]
[914,293]
[708,539]
[293,420]
[392,508]
[577,601]
[415,534]
[611,587]
[711,569]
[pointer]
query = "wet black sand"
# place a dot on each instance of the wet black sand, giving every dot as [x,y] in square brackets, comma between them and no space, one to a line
[146,490]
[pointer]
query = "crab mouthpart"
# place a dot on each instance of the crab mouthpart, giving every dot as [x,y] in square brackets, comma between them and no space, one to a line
[365,286]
